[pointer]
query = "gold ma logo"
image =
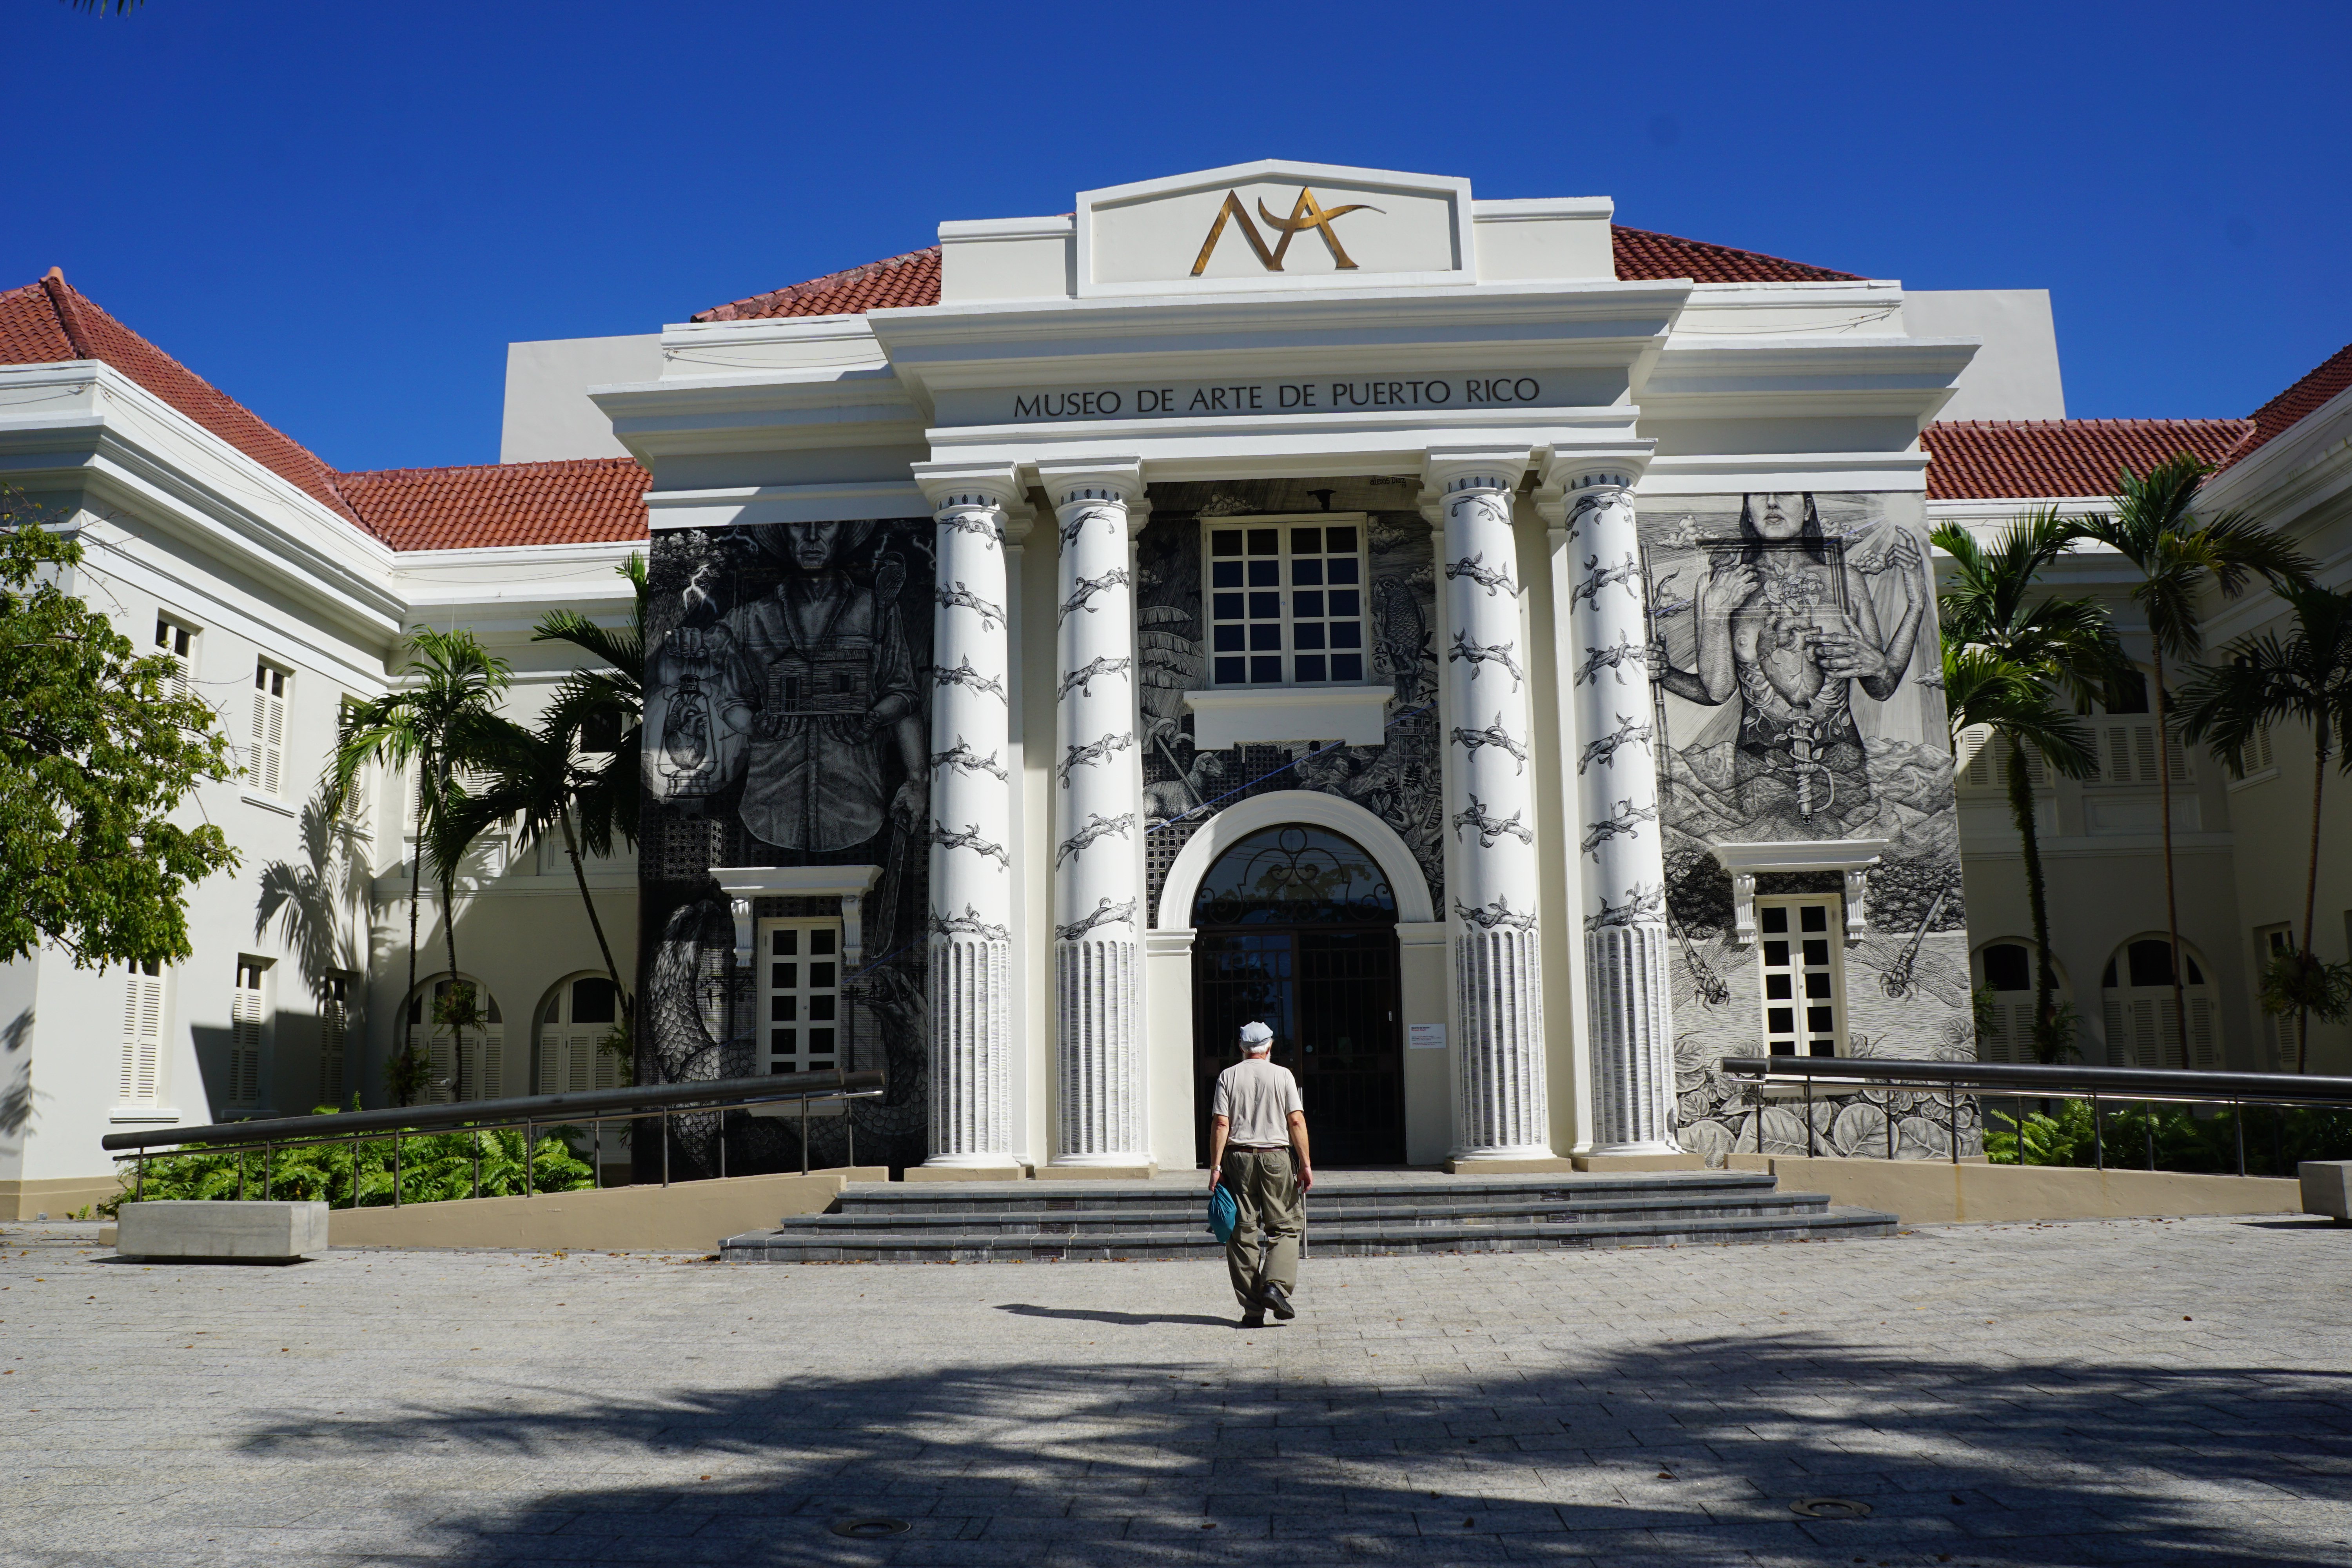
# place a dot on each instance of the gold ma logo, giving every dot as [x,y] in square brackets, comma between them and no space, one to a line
[1305,213]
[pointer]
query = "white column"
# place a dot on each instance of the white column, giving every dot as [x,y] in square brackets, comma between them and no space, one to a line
[1501,1110]
[1098,824]
[1621,863]
[973,1049]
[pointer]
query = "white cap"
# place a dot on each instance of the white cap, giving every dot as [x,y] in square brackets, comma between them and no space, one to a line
[1257,1037]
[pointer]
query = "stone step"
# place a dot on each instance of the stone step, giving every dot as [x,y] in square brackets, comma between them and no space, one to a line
[1192,1215]
[1330,1196]
[813,1244]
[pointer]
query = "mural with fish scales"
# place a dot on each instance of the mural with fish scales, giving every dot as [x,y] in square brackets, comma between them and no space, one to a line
[1795,675]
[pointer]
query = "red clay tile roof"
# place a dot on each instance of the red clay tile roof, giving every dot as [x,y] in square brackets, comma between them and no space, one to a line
[586,501]
[2272,418]
[914,279]
[51,321]
[1981,459]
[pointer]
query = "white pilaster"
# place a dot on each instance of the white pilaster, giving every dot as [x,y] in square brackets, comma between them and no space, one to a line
[973,1049]
[1098,824]
[1501,1110]
[1621,865]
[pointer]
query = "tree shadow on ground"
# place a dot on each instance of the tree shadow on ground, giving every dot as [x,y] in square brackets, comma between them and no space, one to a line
[1118,1320]
[1685,1451]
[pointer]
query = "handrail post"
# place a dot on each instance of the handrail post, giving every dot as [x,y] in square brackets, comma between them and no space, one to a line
[849,1128]
[241,1176]
[2238,1120]
[529,1147]
[596,1153]
[477,1161]
[722,1143]
[1809,1114]
[1956,1124]
[395,1168]
[355,1170]
[665,1147]
[804,1135]
[2149,1106]
[139,1192]
[266,1148]
[2098,1138]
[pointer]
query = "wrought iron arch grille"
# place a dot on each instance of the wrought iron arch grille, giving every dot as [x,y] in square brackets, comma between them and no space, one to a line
[1295,876]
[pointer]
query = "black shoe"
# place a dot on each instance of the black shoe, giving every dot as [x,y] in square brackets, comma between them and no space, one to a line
[1277,1301]
[1252,1320]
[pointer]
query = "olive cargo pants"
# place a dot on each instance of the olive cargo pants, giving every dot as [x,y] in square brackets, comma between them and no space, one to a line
[1264,1185]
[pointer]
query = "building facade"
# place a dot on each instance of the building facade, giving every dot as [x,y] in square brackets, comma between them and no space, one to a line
[1496,645]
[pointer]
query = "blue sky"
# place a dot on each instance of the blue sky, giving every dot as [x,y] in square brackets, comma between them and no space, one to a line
[340,214]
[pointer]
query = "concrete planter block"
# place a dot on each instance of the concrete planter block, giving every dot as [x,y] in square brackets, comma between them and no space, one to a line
[246,1232]
[2327,1188]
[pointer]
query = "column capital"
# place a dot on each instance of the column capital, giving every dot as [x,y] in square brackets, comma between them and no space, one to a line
[1568,471]
[950,485]
[1074,481]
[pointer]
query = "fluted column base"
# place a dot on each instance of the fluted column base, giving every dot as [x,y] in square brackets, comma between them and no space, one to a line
[1098,996]
[1627,982]
[971,1122]
[1500,1065]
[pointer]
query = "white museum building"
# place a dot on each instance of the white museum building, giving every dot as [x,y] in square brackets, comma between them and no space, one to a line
[1493,643]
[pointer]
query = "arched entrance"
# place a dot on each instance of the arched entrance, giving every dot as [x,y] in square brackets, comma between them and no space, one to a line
[1298,927]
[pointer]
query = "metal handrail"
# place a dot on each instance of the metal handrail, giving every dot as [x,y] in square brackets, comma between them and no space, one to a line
[2147,1086]
[593,1107]
[2063,1082]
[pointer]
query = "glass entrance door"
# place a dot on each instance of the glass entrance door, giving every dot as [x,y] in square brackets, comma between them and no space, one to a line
[1296,929]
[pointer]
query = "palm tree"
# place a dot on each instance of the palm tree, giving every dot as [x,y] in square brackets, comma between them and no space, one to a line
[2178,555]
[2009,653]
[2263,680]
[437,722]
[605,704]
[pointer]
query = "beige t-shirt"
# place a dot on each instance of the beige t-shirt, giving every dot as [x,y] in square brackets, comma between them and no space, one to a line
[1257,1098]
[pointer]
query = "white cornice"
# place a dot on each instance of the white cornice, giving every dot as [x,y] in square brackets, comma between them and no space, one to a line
[1796,376]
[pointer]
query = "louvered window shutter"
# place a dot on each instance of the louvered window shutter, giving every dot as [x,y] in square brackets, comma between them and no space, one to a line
[334,1036]
[2203,1049]
[143,1035]
[244,1035]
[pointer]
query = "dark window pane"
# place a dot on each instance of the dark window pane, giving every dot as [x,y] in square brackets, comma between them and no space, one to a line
[1817,953]
[2196,975]
[1780,1020]
[783,976]
[1339,571]
[1824,1048]
[821,977]
[1348,667]
[1306,541]
[600,731]
[1775,956]
[1265,606]
[784,1009]
[2106,977]
[821,940]
[820,1040]
[2007,967]
[593,1002]
[820,1008]
[1814,917]
[1229,638]
[1265,541]
[1310,666]
[1821,1020]
[1339,541]
[1784,1047]
[1306,573]
[1265,574]
[783,941]
[1265,671]
[1774,919]
[1225,541]
[781,1039]
[1265,638]
[1308,607]
[2151,963]
[1231,670]
[1226,607]
[1224,574]
[2128,694]
[1347,633]
[1307,636]
[1349,603]
[823,1064]
[1817,983]
[1776,989]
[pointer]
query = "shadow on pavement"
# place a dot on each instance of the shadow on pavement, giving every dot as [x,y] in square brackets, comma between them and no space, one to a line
[1117,1319]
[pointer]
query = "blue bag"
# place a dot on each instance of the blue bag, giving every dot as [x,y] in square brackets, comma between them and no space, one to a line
[1224,1215]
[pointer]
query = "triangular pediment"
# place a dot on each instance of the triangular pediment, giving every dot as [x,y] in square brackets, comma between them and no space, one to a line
[1274,225]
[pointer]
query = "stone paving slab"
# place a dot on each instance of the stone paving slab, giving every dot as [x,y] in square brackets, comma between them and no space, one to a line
[2128,1393]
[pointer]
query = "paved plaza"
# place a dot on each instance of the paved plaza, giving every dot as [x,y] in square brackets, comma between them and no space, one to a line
[2097,1393]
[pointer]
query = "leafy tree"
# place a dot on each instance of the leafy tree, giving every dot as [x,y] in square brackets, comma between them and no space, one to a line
[97,756]
[2009,653]
[438,722]
[2303,677]
[2179,555]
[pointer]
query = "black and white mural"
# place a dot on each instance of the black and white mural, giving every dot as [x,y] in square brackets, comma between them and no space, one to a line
[1796,674]
[787,724]
[1398,781]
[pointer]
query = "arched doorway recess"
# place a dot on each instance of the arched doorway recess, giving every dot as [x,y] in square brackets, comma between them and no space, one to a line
[1296,927]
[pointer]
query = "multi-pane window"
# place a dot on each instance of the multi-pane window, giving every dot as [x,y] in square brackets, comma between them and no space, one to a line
[2006,969]
[801,994]
[1286,603]
[485,1055]
[248,1018]
[266,771]
[177,643]
[1805,1002]
[572,1053]
[2143,1021]
[144,1013]
[334,1036]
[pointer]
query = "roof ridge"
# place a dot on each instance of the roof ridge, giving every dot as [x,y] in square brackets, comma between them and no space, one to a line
[535,464]
[757,303]
[2070,421]
[60,294]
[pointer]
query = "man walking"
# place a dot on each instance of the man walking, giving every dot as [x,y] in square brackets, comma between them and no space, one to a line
[1256,1122]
